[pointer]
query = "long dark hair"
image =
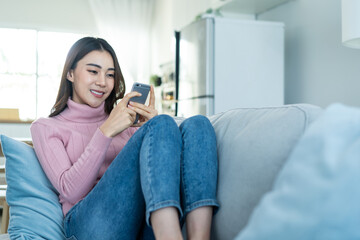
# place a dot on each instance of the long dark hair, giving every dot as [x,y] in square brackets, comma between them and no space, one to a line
[80,48]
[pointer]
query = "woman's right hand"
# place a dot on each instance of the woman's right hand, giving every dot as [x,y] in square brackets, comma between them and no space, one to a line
[120,118]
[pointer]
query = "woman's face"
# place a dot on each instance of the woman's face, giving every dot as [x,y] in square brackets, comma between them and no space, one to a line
[93,78]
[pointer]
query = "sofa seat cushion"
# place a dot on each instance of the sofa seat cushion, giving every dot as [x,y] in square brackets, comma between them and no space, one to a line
[253,144]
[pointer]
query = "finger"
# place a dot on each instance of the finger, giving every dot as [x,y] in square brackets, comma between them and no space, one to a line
[131,111]
[152,97]
[151,112]
[128,96]
[141,106]
[138,105]
[133,114]
[140,111]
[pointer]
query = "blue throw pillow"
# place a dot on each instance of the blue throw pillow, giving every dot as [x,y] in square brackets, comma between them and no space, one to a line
[317,194]
[35,211]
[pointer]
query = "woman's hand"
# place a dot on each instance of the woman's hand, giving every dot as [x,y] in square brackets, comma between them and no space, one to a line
[146,112]
[120,118]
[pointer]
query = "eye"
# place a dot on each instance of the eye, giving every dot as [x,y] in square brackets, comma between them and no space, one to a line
[92,71]
[111,75]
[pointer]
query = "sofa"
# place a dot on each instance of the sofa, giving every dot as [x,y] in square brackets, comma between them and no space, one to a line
[257,187]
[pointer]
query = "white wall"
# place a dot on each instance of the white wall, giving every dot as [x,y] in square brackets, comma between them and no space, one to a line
[171,15]
[48,15]
[161,34]
[319,70]
[185,11]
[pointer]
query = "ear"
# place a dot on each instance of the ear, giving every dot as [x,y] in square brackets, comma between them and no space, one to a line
[70,76]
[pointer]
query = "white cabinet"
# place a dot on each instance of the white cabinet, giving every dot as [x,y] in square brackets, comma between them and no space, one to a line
[246,6]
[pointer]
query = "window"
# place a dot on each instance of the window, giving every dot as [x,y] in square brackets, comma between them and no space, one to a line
[31,65]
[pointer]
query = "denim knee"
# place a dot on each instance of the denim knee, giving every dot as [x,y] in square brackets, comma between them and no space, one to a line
[196,123]
[162,119]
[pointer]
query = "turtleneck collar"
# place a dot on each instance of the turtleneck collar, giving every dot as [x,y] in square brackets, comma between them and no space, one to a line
[77,112]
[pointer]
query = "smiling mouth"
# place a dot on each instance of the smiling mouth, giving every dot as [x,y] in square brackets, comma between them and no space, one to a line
[96,93]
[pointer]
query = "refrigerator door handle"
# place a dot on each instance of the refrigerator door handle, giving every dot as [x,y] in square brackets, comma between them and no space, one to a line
[202,96]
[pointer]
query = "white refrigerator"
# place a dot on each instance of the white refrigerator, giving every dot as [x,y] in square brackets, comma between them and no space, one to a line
[224,63]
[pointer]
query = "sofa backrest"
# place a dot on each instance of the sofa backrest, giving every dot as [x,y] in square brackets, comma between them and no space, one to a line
[253,144]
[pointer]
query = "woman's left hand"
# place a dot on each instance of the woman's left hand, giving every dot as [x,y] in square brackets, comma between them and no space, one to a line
[146,112]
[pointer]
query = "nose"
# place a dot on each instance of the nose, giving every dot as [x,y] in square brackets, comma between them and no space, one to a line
[101,81]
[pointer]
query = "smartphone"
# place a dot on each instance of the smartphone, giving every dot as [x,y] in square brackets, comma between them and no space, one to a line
[142,88]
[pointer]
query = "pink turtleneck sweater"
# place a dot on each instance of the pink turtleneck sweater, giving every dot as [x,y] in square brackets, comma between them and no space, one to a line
[73,152]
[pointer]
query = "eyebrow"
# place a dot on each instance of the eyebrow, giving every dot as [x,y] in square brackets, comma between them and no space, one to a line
[98,66]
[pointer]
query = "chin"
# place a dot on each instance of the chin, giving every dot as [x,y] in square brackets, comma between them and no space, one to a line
[95,104]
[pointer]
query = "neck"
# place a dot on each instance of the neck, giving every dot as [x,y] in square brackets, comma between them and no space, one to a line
[77,112]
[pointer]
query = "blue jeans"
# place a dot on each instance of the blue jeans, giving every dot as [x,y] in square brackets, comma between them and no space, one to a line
[162,165]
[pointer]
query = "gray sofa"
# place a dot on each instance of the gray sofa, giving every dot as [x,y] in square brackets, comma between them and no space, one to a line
[253,144]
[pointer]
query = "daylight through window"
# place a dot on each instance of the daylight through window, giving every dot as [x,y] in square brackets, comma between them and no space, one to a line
[31,64]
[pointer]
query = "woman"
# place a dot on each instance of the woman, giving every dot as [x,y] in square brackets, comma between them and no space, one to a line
[117,180]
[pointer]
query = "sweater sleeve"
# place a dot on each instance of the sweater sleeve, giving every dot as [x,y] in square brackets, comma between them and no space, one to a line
[132,130]
[72,181]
